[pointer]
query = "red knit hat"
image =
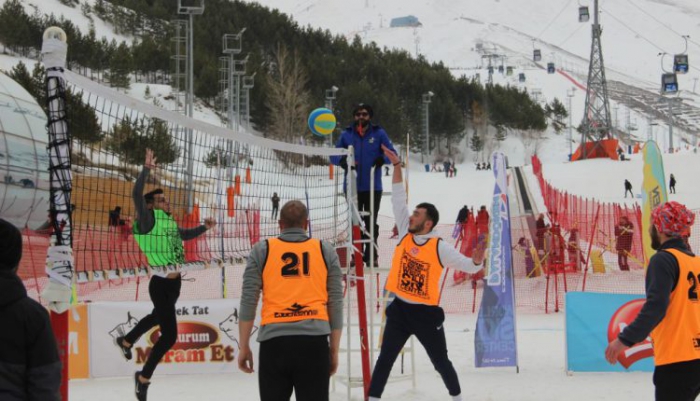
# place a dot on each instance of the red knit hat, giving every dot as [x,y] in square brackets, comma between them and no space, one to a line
[672,219]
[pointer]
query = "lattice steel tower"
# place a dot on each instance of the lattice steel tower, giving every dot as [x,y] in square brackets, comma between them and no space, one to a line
[596,117]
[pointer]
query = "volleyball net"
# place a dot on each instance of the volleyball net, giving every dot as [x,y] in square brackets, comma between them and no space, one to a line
[205,171]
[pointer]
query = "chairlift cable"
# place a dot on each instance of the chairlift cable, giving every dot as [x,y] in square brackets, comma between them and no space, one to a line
[553,19]
[662,23]
[633,31]
[640,35]
[572,34]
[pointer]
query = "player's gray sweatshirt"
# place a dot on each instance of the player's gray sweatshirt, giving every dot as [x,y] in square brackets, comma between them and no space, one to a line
[252,285]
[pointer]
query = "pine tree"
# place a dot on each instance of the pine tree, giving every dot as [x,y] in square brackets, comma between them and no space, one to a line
[120,66]
[288,99]
[130,139]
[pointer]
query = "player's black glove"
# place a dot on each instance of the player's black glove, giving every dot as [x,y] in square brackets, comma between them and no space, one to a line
[343,163]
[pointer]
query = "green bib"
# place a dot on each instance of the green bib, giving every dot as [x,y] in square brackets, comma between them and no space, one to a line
[163,244]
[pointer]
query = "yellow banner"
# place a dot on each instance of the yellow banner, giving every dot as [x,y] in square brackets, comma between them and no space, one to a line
[653,192]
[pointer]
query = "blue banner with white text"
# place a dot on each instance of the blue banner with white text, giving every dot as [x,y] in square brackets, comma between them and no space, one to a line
[495,343]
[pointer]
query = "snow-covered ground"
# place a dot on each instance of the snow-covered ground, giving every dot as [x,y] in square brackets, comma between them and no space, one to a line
[540,337]
[541,378]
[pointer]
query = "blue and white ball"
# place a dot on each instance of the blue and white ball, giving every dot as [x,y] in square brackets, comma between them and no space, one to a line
[322,122]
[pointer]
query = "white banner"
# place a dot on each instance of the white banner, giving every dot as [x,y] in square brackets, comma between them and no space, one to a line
[207,338]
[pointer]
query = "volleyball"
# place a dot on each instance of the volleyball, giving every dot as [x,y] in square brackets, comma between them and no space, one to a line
[322,122]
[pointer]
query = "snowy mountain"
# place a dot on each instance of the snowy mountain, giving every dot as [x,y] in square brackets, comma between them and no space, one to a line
[465,36]
[461,34]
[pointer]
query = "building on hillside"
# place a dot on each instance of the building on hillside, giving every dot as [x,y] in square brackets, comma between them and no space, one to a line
[407,21]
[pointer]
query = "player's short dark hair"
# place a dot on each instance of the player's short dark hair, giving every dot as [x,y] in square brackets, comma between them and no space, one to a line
[430,211]
[294,214]
[150,197]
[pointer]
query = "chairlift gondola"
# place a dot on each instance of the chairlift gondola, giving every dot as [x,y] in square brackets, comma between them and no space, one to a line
[536,55]
[521,77]
[490,70]
[680,63]
[551,69]
[583,14]
[509,70]
[669,83]
[500,69]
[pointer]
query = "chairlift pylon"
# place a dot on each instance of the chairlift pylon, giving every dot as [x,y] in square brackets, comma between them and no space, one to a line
[669,83]
[583,14]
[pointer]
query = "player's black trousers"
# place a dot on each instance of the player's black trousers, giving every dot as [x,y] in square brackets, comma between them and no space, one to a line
[364,204]
[426,323]
[677,381]
[164,293]
[299,363]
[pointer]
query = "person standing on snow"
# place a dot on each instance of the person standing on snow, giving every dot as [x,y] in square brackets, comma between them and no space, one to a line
[672,184]
[628,188]
[671,312]
[366,138]
[419,264]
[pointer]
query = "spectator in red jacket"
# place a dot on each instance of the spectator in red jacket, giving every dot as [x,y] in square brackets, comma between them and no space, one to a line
[624,231]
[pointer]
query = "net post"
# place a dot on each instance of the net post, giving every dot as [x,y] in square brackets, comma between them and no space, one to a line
[59,259]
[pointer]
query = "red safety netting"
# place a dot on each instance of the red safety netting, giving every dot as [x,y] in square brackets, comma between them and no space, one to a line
[581,247]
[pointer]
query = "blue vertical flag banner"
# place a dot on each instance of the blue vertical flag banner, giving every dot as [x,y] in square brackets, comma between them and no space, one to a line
[653,192]
[495,343]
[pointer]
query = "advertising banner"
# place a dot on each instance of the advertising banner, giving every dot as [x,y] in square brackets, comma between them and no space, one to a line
[78,344]
[495,342]
[595,319]
[653,192]
[207,338]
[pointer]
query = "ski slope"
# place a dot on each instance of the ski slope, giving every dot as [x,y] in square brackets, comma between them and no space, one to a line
[458,33]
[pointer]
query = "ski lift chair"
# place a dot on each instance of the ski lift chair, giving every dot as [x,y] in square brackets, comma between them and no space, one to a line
[669,83]
[536,55]
[550,68]
[583,14]
[680,63]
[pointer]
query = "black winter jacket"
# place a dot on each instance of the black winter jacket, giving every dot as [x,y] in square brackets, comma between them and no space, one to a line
[30,369]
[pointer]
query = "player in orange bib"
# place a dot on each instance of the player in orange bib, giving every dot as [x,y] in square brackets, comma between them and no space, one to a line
[417,270]
[671,313]
[302,294]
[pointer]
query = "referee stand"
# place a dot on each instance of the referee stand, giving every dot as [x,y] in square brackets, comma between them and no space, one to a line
[356,278]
